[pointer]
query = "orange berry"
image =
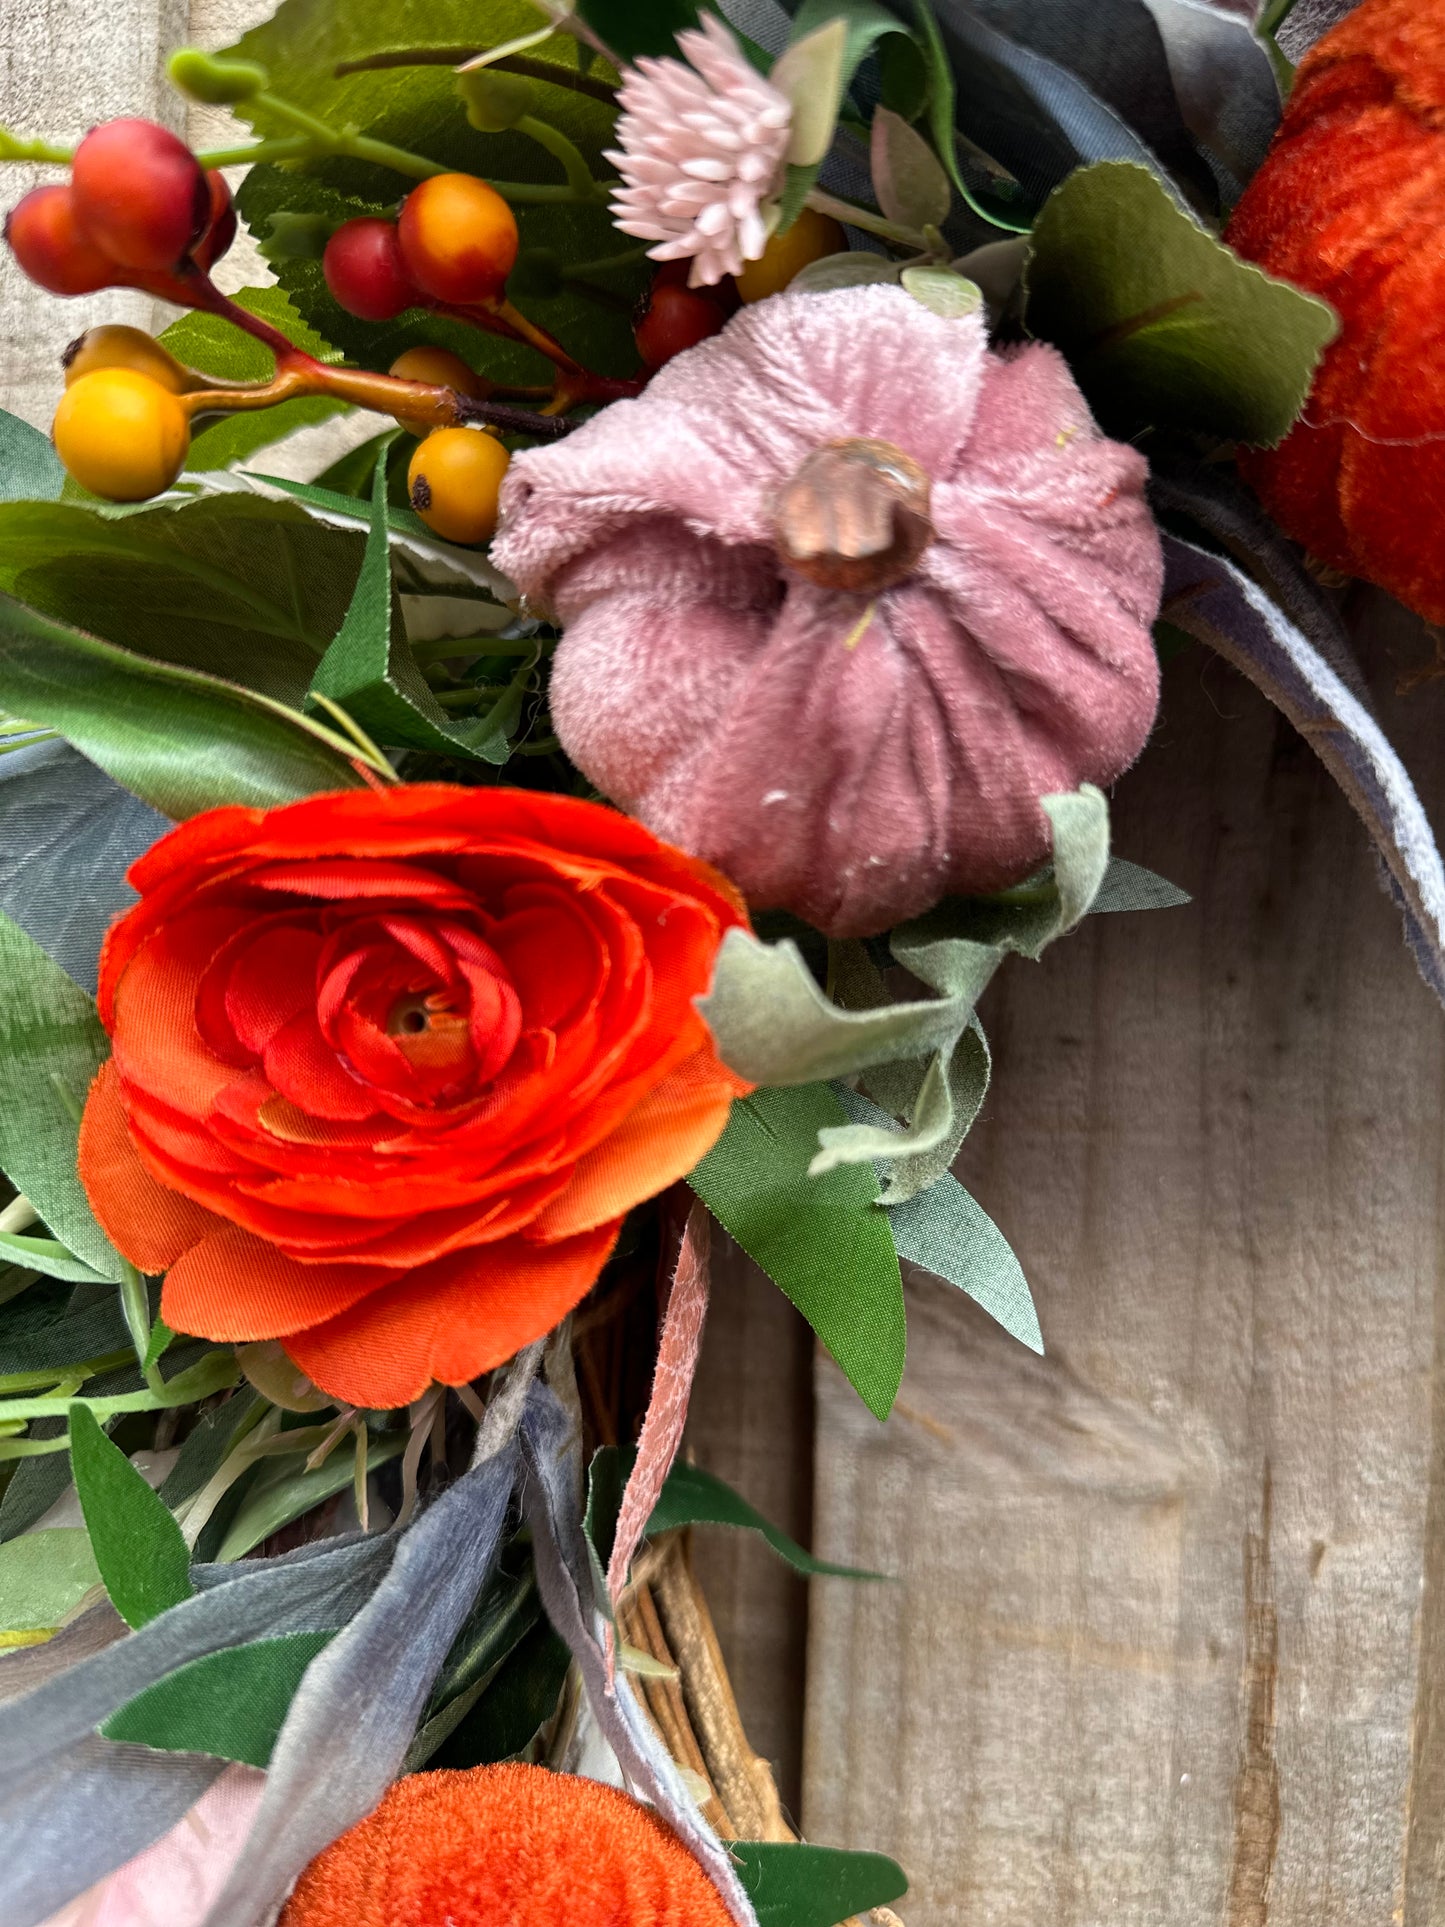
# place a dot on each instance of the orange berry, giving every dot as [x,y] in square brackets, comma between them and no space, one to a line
[52,248]
[140,194]
[458,238]
[809,239]
[439,368]
[114,346]
[454,481]
[121,435]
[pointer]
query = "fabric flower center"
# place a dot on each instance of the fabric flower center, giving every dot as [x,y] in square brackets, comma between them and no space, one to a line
[854,516]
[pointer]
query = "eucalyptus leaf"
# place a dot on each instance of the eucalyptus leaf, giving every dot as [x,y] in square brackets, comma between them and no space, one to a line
[793,1884]
[1164,326]
[30,469]
[138,1547]
[181,741]
[51,1046]
[231,1704]
[819,1239]
[70,835]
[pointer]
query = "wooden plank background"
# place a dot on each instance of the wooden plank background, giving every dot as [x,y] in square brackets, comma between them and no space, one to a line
[1168,1639]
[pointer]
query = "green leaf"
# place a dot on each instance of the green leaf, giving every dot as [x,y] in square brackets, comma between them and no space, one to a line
[306,45]
[138,1546]
[692,1497]
[632,27]
[1165,326]
[211,1438]
[43,1576]
[222,576]
[909,182]
[218,347]
[819,1239]
[949,1233]
[369,669]
[181,741]
[231,1704]
[503,1713]
[866,24]
[796,1885]
[51,1046]
[30,469]
[283,1492]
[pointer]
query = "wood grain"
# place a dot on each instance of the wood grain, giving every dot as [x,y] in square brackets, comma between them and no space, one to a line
[1170,1636]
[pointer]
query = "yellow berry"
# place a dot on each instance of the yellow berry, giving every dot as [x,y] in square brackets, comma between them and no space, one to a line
[113,346]
[810,237]
[454,481]
[121,435]
[439,368]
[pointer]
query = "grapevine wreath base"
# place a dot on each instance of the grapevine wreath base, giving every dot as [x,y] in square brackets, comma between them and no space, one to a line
[448,896]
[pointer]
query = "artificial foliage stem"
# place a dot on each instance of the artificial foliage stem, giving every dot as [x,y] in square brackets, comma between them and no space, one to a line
[861,217]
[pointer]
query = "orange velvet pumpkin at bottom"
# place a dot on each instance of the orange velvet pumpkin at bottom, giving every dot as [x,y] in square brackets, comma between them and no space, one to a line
[1350,204]
[506,1846]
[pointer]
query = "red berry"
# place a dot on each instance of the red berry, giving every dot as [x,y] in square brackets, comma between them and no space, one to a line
[676,318]
[673,274]
[140,194]
[221,228]
[364,271]
[458,238]
[50,246]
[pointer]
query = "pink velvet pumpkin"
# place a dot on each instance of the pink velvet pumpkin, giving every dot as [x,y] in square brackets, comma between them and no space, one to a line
[850,755]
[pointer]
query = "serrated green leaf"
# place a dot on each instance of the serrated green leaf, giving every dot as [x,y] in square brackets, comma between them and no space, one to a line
[819,1239]
[1165,326]
[369,670]
[51,1046]
[43,1576]
[218,347]
[181,741]
[692,1497]
[305,44]
[230,1704]
[285,1491]
[143,1560]
[792,1884]
[30,469]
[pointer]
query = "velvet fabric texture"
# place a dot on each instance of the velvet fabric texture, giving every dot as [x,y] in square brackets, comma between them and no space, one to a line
[506,1846]
[849,758]
[1351,204]
[390,1069]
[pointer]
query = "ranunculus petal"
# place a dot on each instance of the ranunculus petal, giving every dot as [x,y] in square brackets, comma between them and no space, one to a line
[145,1221]
[303,1067]
[234,1287]
[658,1142]
[450,1321]
[270,982]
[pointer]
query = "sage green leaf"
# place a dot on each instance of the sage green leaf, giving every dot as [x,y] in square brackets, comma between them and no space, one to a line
[819,1239]
[219,348]
[909,182]
[231,1704]
[143,1560]
[865,24]
[284,1491]
[30,469]
[181,741]
[369,669]
[945,1231]
[1129,886]
[792,1884]
[51,1046]
[1163,325]
[43,1576]
[693,1497]
[46,1256]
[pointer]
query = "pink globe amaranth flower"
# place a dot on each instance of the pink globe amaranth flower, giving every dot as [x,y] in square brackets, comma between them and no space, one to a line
[701,151]
[852,757]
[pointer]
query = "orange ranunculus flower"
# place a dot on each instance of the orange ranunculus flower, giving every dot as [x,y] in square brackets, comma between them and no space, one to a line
[513,1844]
[389,1068]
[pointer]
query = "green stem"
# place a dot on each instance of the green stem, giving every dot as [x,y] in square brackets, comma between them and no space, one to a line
[14,149]
[32,1448]
[62,1375]
[627,259]
[865,218]
[574,164]
[136,1310]
[526,65]
[212,1374]
[284,147]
